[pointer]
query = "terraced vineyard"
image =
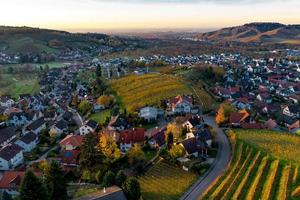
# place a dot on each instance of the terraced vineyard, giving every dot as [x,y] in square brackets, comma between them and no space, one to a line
[149,89]
[165,182]
[257,173]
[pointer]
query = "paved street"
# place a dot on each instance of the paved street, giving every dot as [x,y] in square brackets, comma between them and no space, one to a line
[218,167]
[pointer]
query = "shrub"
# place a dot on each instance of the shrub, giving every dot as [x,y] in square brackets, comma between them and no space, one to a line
[108,179]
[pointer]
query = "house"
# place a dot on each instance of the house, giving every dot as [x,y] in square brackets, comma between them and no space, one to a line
[11,181]
[264,97]
[236,118]
[148,113]
[20,119]
[292,111]
[131,136]
[50,115]
[89,127]
[71,142]
[6,101]
[7,135]
[272,125]
[193,122]
[193,146]
[11,156]
[118,123]
[242,103]
[181,104]
[204,136]
[158,138]
[58,128]
[294,125]
[37,126]
[28,142]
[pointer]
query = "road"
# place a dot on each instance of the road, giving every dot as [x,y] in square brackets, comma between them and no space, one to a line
[44,156]
[217,168]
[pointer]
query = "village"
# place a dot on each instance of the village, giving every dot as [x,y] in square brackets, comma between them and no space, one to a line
[76,107]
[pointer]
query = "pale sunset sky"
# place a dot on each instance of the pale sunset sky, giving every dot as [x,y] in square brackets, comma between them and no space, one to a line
[108,15]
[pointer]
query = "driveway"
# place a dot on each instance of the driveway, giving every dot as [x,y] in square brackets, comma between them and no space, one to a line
[217,168]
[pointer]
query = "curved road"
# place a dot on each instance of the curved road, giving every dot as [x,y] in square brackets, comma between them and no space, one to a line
[217,168]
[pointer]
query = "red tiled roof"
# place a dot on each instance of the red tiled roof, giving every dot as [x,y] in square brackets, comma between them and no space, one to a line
[12,179]
[74,140]
[179,99]
[134,135]
[270,124]
[253,126]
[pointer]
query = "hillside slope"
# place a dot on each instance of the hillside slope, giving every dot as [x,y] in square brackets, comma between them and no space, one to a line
[256,32]
[35,40]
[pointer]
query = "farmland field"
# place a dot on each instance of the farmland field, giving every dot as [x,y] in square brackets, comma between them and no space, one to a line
[16,79]
[150,89]
[281,145]
[258,171]
[165,182]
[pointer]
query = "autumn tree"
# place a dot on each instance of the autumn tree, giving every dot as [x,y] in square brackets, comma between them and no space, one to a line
[223,113]
[135,155]
[175,128]
[32,188]
[109,148]
[177,151]
[106,100]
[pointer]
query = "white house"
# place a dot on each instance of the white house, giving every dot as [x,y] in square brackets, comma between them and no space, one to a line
[148,113]
[59,128]
[181,104]
[89,127]
[11,156]
[292,111]
[37,126]
[28,141]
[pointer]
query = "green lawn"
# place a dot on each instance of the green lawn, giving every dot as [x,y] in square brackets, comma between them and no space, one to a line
[165,182]
[100,117]
[82,190]
[150,154]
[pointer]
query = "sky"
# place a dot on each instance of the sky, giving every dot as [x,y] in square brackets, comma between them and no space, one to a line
[126,15]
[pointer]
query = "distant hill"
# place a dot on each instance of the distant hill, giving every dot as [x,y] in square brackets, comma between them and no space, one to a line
[256,33]
[34,40]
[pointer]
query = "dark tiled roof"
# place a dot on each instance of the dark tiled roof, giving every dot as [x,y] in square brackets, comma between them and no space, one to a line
[6,133]
[10,151]
[36,124]
[92,124]
[62,124]
[28,138]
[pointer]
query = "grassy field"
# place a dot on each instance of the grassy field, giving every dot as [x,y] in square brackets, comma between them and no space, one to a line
[77,191]
[17,81]
[258,172]
[150,89]
[101,116]
[165,182]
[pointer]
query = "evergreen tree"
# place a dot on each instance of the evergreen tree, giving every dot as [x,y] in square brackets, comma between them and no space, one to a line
[108,179]
[32,188]
[6,196]
[120,178]
[56,182]
[132,189]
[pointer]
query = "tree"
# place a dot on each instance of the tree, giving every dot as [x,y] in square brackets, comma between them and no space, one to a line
[109,148]
[177,151]
[132,189]
[135,155]
[108,179]
[32,188]
[84,107]
[90,155]
[223,113]
[56,182]
[98,71]
[106,100]
[175,128]
[120,178]
[170,139]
